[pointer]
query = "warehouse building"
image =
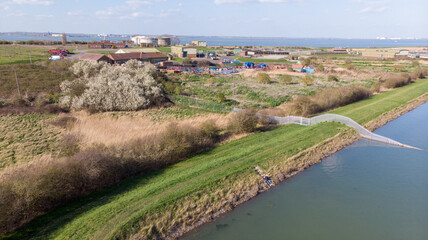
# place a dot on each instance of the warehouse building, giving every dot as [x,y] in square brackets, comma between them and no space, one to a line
[182,52]
[154,57]
[106,44]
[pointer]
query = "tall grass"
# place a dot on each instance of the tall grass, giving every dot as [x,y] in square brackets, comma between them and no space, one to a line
[28,190]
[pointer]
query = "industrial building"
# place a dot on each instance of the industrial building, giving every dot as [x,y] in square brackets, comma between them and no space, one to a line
[198,43]
[144,41]
[182,52]
[106,44]
[164,41]
[155,57]
[384,52]
[144,50]
[419,54]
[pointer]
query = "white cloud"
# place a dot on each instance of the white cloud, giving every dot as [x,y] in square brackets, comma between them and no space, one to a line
[16,14]
[40,16]
[75,13]
[135,15]
[138,3]
[244,1]
[373,6]
[31,2]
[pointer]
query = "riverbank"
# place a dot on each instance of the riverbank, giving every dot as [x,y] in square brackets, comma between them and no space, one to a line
[175,200]
[306,159]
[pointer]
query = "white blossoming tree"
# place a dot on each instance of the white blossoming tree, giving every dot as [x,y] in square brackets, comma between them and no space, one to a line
[107,87]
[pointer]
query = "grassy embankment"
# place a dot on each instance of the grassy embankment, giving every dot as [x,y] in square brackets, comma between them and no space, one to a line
[120,210]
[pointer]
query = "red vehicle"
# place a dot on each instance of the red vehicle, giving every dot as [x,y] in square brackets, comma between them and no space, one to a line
[61,52]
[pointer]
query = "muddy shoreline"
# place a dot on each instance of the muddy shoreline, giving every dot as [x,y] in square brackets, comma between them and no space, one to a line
[244,188]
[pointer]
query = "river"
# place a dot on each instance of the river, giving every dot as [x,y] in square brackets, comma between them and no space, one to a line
[365,191]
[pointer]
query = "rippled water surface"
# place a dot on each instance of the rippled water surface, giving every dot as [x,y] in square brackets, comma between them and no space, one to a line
[366,191]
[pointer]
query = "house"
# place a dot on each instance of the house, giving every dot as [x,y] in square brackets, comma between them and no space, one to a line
[418,54]
[182,52]
[154,57]
[95,57]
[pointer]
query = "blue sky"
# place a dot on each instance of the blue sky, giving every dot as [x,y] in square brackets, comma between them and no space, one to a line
[261,18]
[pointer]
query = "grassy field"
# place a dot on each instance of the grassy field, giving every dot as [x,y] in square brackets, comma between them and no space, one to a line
[21,54]
[33,78]
[112,213]
[164,49]
[24,137]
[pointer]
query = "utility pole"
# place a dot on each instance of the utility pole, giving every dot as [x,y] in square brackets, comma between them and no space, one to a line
[17,83]
[31,62]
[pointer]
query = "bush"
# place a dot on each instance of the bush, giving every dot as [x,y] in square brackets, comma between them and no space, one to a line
[376,87]
[220,97]
[333,78]
[348,61]
[350,66]
[420,73]
[320,68]
[263,78]
[415,63]
[307,80]
[244,121]
[287,79]
[68,145]
[64,121]
[106,88]
[28,190]
[328,99]
[395,80]
[399,68]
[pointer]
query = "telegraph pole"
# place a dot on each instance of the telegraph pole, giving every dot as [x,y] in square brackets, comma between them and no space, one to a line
[31,62]
[17,83]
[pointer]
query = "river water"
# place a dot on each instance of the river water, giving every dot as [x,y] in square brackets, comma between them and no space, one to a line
[365,191]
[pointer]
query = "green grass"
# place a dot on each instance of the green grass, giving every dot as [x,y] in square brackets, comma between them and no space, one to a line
[366,110]
[177,59]
[164,49]
[110,213]
[21,54]
[32,78]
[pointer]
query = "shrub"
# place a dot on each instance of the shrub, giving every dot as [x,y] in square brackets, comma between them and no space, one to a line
[68,145]
[244,121]
[333,78]
[376,87]
[64,121]
[320,68]
[220,97]
[263,78]
[399,68]
[395,80]
[415,63]
[28,190]
[328,99]
[348,61]
[307,80]
[17,100]
[420,73]
[210,130]
[106,88]
[350,66]
[287,79]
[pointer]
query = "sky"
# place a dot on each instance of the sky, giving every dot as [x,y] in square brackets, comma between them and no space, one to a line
[252,18]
